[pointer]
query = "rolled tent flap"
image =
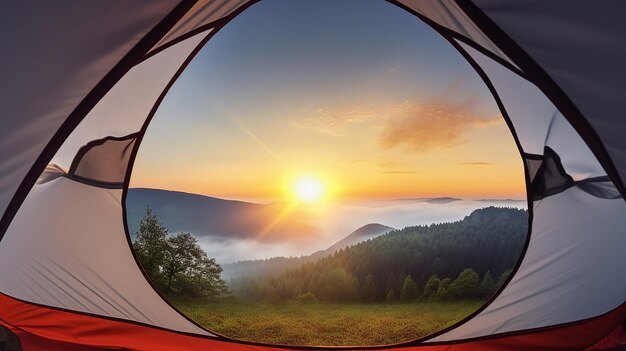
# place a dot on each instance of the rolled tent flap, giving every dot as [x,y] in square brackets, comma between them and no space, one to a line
[69,280]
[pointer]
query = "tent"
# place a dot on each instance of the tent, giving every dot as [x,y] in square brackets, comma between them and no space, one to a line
[81,81]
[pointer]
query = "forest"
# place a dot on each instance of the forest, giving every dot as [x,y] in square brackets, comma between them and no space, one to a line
[466,259]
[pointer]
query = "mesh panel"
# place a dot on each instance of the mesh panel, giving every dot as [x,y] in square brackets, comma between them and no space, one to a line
[600,187]
[104,160]
[550,178]
[533,165]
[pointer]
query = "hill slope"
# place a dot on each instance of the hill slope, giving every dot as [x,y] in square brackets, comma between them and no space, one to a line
[277,265]
[209,216]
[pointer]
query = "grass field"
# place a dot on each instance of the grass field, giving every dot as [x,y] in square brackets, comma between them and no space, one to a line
[320,324]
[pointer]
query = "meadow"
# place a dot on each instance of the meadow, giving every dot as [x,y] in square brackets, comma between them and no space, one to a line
[325,324]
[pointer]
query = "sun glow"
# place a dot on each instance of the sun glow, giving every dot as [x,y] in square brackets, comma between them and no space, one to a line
[307,189]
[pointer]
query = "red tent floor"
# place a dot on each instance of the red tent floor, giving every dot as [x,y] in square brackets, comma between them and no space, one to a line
[43,328]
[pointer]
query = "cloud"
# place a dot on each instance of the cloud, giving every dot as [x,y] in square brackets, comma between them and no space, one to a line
[360,161]
[418,125]
[399,172]
[333,120]
[436,123]
[477,164]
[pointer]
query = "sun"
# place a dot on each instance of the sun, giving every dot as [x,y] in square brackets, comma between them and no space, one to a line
[308,189]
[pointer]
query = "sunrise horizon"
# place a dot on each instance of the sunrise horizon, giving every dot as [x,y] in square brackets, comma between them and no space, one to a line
[364,123]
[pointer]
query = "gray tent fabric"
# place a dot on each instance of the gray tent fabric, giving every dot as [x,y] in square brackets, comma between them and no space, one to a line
[48,68]
[203,13]
[581,48]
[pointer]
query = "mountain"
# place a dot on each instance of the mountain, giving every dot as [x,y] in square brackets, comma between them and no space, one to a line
[366,232]
[432,200]
[501,200]
[277,265]
[496,215]
[210,216]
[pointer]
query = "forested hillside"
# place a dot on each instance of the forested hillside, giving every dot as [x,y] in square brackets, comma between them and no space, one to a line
[277,265]
[464,259]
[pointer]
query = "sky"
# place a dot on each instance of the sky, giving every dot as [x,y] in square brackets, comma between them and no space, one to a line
[366,99]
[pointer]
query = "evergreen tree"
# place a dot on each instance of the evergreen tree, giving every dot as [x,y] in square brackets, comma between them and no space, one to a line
[409,290]
[368,289]
[505,275]
[487,285]
[391,296]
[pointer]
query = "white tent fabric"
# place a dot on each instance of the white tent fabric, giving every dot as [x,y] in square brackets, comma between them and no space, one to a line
[568,272]
[75,256]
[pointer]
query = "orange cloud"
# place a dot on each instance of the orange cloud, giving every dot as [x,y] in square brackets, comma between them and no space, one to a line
[417,125]
[437,123]
[477,164]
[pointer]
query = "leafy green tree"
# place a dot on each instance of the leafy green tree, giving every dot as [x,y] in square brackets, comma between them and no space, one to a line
[443,293]
[409,289]
[150,245]
[177,264]
[465,285]
[180,252]
[204,279]
[368,289]
[391,296]
[431,287]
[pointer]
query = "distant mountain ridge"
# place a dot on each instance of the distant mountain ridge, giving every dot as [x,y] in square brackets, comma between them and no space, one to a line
[432,200]
[368,231]
[276,265]
[209,216]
